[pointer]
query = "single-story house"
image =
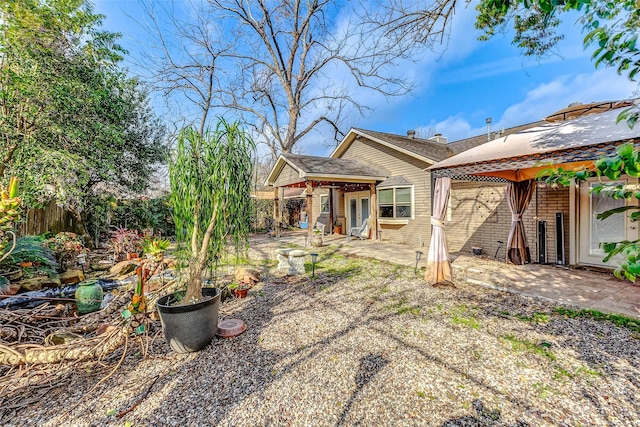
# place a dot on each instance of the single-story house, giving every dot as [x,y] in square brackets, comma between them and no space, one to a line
[374,176]
[391,179]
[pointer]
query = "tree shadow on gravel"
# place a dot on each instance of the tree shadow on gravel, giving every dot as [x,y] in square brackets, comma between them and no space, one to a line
[484,418]
[369,366]
[241,378]
[607,350]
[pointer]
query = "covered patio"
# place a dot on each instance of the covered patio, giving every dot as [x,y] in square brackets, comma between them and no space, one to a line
[516,160]
[338,176]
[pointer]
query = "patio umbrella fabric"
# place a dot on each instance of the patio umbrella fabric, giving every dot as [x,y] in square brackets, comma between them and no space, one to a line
[518,195]
[438,263]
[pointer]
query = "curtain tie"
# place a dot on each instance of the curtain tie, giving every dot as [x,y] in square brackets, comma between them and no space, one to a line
[516,217]
[436,222]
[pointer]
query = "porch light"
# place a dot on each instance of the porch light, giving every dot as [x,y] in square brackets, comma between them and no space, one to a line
[314,258]
[418,256]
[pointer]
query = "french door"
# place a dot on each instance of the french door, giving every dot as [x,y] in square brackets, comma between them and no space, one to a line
[358,209]
[593,232]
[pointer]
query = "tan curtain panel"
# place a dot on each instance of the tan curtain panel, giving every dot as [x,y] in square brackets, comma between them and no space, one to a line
[438,264]
[519,196]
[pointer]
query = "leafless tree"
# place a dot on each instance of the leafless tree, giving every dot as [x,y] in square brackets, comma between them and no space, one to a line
[284,67]
[424,22]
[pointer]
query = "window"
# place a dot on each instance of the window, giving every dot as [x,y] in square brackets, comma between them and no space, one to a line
[324,204]
[395,203]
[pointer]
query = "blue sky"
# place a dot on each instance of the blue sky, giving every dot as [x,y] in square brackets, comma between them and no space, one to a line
[458,87]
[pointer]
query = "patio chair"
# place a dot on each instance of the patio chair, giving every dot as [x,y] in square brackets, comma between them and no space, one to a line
[361,232]
[319,226]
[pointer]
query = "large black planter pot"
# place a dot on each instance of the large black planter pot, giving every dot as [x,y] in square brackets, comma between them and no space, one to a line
[190,327]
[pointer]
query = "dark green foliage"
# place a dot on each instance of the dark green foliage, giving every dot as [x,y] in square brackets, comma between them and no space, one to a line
[71,121]
[141,213]
[31,249]
[261,214]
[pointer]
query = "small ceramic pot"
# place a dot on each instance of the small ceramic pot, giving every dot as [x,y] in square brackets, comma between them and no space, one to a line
[240,293]
[88,296]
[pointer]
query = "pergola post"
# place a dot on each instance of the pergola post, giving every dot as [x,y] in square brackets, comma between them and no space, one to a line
[331,218]
[309,210]
[276,210]
[374,210]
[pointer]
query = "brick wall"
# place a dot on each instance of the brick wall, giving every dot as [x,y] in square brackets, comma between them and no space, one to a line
[479,216]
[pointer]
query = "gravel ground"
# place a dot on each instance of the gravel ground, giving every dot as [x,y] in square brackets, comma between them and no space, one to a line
[367,343]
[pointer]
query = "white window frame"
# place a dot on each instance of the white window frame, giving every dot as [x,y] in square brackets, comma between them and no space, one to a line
[394,219]
[322,204]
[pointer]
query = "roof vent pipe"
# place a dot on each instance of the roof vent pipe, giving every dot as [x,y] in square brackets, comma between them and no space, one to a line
[488,120]
[411,134]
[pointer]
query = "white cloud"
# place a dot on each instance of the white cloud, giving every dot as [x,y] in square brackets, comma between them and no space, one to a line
[601,85]
[542,101]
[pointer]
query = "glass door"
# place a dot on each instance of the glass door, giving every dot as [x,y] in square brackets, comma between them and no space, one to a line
[353,212]
[593,231]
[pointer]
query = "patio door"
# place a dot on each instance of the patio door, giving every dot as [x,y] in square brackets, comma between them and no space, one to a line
[358,209]
[593,231]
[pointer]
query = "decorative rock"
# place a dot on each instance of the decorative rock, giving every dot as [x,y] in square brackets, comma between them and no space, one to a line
[37,283]
[247,275]
[71,277]
[296,262]
[123,267]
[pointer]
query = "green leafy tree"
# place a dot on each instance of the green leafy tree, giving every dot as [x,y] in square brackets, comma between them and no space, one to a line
[71,121]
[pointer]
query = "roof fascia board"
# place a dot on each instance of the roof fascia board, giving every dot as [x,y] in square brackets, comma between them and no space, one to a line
[344,144]
[280,164]
[345,178]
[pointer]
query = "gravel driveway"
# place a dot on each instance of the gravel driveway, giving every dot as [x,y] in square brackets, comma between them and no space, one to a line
[367,343]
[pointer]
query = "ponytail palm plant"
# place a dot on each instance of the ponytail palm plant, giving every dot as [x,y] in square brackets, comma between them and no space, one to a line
[210,174]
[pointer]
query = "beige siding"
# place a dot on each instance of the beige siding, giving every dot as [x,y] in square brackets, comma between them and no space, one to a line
[479,216]
[288,176]
[394,163]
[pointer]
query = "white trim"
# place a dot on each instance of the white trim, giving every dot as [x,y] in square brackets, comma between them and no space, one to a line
[413,203]
[328,208]
[393,221]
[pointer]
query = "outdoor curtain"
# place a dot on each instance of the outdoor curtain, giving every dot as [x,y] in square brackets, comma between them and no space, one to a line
[519,195]
[438,264]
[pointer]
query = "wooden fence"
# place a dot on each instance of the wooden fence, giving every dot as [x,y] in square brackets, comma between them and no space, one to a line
[51,218]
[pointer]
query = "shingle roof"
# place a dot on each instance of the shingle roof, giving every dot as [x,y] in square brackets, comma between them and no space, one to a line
[426,148]
[461,145]
[313,165]
[394,181]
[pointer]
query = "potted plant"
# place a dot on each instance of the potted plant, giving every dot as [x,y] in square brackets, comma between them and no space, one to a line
[240,290]
[316,239]
[337,226]
[210,175]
